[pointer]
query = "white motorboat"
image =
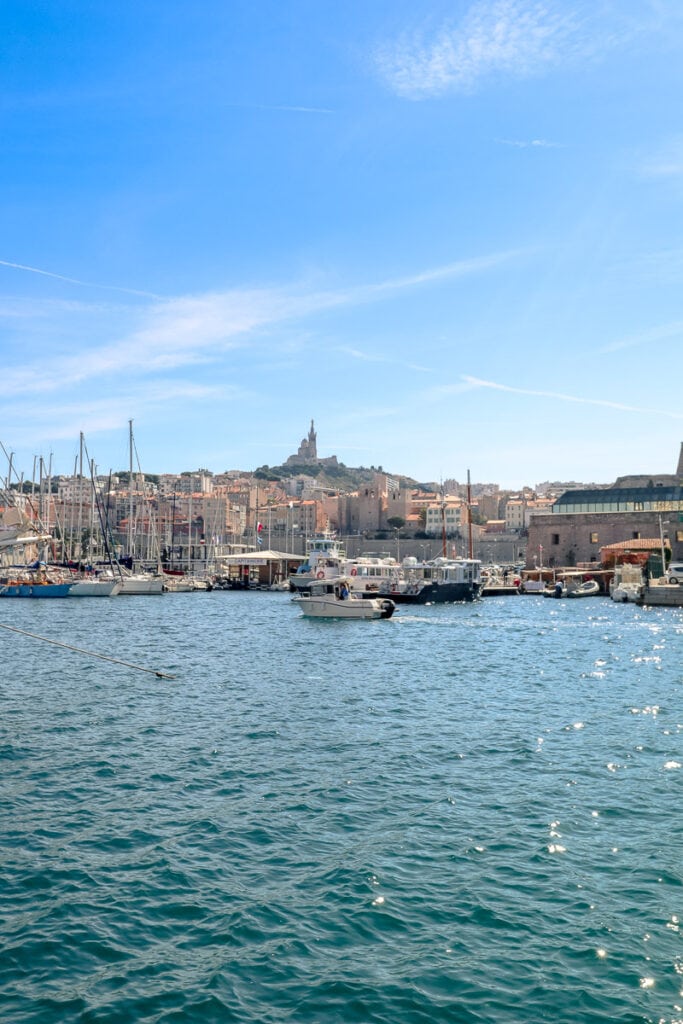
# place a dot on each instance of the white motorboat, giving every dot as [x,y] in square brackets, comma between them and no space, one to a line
[332,599]
[628,585]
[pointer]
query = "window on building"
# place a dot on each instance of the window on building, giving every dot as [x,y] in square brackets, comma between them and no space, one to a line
[594,537]
[555,538]
[679,536]
[636,534]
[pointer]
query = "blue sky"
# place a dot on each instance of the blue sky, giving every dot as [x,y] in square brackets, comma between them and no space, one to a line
[449,232]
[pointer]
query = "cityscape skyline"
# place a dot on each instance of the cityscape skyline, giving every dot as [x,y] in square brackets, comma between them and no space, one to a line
[306,457]
[449,235]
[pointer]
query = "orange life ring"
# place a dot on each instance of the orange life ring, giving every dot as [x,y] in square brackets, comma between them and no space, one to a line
[320,575]
[354,572]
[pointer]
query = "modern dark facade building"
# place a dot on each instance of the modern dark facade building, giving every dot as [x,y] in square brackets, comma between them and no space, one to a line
[583,521]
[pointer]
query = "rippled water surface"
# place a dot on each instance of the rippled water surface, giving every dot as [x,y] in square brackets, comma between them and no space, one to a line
[467,813]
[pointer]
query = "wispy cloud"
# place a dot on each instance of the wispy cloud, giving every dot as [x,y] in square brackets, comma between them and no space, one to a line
[288,108]
[663,333]
[666,163]
[461,268]
[373,357]
[512,37]
[476,382]
[191,329]
[297,110]
[530,144]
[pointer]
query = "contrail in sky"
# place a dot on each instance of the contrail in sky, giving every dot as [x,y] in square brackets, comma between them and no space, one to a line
[605,403]
[73,280]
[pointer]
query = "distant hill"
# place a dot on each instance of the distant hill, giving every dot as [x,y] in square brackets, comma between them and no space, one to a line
[335,477]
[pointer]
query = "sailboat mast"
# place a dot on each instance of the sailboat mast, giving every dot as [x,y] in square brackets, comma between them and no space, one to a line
[80,503]
[48,503]
[173,532]
[470,547]
[91,517]
[189,532]
[130,489]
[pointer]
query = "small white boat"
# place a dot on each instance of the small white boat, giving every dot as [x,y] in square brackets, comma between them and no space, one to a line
[628,585]
[589,588]
[332,599]
[557,589]
[184,584]
[178,585]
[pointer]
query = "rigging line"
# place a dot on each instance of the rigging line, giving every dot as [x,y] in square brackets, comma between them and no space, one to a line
[93,654]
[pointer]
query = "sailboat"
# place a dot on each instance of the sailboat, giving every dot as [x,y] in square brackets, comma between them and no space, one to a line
[136,582]
[18,530]
[86,583]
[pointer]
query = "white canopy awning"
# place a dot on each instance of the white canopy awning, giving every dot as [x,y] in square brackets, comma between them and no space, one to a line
[261,558]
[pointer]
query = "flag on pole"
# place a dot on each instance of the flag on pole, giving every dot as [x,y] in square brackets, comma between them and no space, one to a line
[259,527]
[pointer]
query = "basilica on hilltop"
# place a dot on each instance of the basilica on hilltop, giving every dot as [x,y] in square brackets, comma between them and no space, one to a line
[307,454]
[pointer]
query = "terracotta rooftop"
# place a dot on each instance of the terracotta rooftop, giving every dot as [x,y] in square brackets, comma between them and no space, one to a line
[640,544]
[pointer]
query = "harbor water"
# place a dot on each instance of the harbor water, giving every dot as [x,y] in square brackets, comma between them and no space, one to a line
[466,813]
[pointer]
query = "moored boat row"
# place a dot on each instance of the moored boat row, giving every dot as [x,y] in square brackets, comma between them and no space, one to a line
[435,581]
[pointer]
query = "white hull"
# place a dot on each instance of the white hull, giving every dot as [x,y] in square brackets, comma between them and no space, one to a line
[184,584]
[329,607]
[178,586]
[591,588]
[628,584]
[627,593]
[142,585]
[95,588]
[331,599]
[532,586]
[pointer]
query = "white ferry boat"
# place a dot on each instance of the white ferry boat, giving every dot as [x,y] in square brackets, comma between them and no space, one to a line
[324,557]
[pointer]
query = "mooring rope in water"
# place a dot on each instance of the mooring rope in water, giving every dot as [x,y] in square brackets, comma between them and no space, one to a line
[81,650]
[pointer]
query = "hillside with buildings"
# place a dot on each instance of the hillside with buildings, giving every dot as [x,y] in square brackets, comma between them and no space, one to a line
[200,516]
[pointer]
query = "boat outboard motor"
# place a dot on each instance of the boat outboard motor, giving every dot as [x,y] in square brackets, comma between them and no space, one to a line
[558,590]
